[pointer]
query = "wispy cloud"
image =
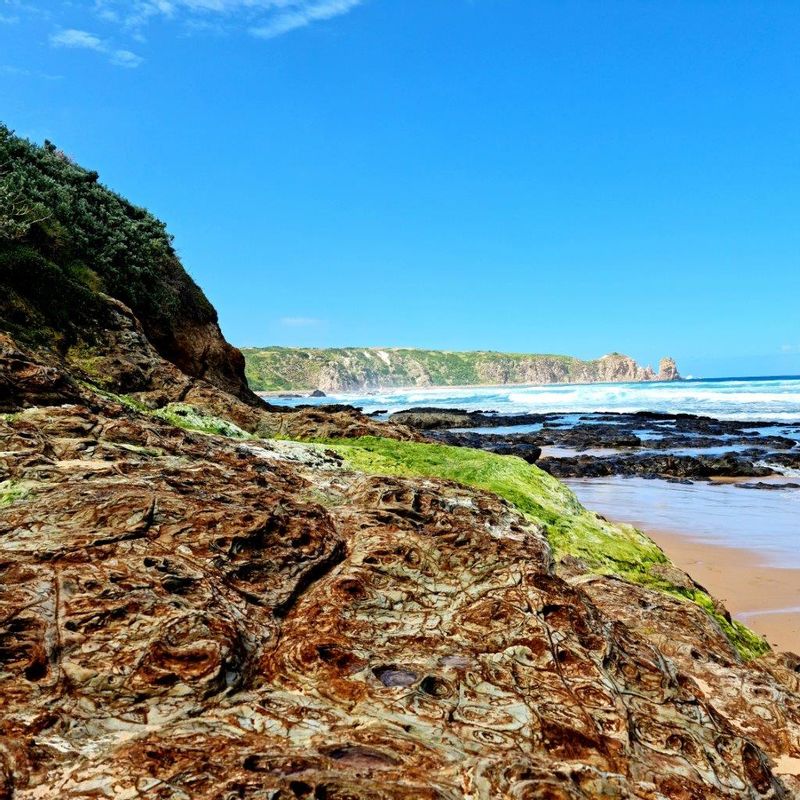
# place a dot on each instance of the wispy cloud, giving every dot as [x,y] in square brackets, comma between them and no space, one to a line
[83,40]
[301,322]
[112,28]
[263,18]
[790,348]
[75,38]
[21,72]
[301,15]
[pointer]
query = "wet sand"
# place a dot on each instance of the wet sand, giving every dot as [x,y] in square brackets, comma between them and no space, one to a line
[740,544]
[766,599]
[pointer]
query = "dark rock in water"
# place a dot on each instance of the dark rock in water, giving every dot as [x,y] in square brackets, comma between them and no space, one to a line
[770,487]
[288,396]
[790,460]
[441,418]
[318,393]
[584,437]
[522,445]
[780,442]
[728,465]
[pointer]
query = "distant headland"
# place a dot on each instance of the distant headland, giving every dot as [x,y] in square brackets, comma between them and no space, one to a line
[353,369]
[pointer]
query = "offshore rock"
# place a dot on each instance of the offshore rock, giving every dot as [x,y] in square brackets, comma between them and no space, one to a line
[668,370]
[729,465]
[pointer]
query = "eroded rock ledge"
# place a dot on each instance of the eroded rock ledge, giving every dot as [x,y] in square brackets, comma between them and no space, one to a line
[188,616]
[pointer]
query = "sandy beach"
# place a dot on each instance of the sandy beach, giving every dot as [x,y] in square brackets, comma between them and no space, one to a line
[766,599]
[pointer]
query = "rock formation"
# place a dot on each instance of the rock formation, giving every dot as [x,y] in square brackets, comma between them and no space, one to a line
[668,370]
[192,611]
[355,369]
[189,616]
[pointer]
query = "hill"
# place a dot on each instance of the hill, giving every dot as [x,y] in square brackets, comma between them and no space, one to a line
[78,263]
[353,369]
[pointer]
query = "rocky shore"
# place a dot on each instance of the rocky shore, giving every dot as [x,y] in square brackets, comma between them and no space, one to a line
[646,444]
[206,597]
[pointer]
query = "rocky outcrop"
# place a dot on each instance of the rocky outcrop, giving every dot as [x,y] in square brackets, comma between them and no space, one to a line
[668,370]
[186,616]
[355,369]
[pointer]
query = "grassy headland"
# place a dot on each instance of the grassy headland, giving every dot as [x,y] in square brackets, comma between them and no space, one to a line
[353,368]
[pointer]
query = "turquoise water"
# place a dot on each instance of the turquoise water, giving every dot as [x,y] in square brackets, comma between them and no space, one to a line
[766,522]
[732,398]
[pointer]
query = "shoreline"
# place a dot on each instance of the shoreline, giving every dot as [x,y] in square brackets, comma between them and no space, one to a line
[376,391]
[763,597]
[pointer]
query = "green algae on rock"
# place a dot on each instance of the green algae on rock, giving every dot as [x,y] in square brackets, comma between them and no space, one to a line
[604,547]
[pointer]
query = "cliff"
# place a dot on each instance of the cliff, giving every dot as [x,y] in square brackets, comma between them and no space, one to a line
[89,280]
[356,369]
[190,609]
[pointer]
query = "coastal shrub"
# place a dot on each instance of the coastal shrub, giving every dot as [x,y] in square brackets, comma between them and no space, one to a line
[64,237]
[606,548]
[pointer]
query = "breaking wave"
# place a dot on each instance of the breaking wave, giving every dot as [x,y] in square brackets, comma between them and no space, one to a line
[747,398]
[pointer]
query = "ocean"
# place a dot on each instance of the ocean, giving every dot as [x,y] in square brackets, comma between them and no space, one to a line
[766,522]
[771,398]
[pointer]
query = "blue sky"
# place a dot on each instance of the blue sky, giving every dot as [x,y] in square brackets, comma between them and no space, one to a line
[567,176]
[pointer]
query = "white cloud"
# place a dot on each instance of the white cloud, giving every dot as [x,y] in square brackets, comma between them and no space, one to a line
[790,348]
[125,58]
[301,322]
[75,38]
[9,69]
[83,40]
[302,15]
[264,18]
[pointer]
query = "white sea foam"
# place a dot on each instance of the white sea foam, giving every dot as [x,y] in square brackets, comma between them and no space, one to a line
[768,399]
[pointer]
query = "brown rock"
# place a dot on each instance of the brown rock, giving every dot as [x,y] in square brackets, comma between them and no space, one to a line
[668,370]
[184,616]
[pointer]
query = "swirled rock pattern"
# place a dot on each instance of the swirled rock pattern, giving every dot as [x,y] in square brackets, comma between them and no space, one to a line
[185,616]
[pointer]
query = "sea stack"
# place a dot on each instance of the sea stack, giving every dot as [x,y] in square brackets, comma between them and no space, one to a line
[668,370]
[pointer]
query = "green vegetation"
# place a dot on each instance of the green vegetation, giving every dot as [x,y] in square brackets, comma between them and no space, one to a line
[190,418]
[285,368]
[606,548]
[65,238]
[10,491]
[181,415]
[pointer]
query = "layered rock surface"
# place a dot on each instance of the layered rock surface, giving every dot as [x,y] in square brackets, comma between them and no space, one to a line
[188,616]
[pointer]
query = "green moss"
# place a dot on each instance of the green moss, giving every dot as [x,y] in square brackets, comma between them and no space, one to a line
[190,418]
[606,548]
[10,491]
[749,644]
